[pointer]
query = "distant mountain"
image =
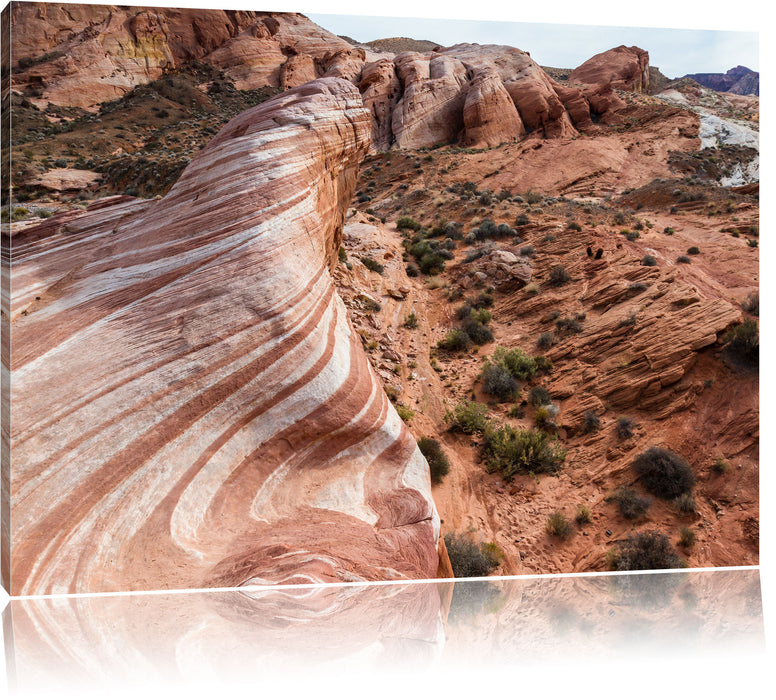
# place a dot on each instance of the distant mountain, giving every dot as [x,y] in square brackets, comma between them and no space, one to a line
[739,80]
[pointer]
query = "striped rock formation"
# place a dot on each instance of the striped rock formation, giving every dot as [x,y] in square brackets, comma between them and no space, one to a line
[191,405]
[624,68]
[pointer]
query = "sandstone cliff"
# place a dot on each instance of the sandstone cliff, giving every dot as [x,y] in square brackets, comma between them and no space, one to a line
[215,420]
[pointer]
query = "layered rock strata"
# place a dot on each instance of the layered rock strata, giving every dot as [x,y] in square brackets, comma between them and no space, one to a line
[191,405]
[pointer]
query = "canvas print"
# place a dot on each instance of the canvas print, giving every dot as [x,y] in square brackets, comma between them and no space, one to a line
[293,300]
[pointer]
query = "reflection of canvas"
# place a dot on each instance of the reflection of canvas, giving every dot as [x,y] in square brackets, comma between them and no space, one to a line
[284,307]
[493,627]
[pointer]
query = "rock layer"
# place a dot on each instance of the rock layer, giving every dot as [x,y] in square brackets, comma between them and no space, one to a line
[192,408]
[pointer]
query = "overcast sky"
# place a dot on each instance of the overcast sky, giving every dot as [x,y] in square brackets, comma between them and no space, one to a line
[675,52]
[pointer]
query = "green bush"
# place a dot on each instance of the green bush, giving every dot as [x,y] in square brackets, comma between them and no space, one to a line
[558,526]
[455,340]
[509,451]
[468,417]
[539,396]
[687,537]
[632,506]
[407,222]
[721,466]
[373,265]
[438,462]
[470,559]
[644,551]
[518,363]
[663,472]
[693,250]
[411,320]
[649,261]
[684,259]
[478,332]
[431,264]
[405,412]
[583,514]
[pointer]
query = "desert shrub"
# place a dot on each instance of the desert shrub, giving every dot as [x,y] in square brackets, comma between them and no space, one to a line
[539,396]
[411,320]
[405,412]
[693,250]
[438,463]
[685,259]
[545,417]
[469,558]
[543,364]
[752,304]
[412,270]
[483,300]
[624,427]
[497,382]
[590,422]
[373,265]
[631,235]
[522,219]
[558,526]
[478,332]
[686,537]
[649,261]
[467,417]
[583,514]
[632,506]
[644,551]
[455,340]
[532,197]
[546,340]
[663,472]
[342,255]
[527,251]
[509,451]
[686,502]
[518,363]
[568,325]
[573,226]
[721,465]
[431,264]
[668,230]
[752,242]
[558,276]
[407,222]
[744,340]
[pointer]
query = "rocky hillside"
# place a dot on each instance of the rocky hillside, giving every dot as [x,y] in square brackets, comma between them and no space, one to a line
[739,80]
[215,420]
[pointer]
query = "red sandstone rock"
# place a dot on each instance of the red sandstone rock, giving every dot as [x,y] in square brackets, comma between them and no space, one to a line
[624,68]
[489,114]
[192,407]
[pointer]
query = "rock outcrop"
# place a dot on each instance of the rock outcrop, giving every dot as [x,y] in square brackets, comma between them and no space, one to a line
[82,55]
[624,68]
[191,405]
